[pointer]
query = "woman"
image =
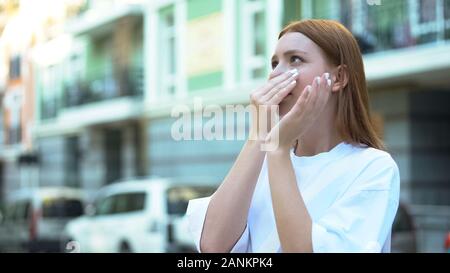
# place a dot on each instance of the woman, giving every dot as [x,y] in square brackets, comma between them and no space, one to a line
[328,186]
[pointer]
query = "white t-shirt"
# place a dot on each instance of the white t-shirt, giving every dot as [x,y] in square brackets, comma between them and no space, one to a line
[351,193]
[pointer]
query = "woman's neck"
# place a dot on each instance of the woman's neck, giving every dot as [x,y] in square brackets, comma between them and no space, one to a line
[321,137]
[312,146]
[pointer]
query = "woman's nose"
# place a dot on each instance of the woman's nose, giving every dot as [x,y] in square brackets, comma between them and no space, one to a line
[276,72]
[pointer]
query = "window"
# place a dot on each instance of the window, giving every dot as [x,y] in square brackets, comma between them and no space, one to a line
[427,11]
[430,19]
[103,83]
[72,162]
[18,211]
[13,103]
[129,202]
[254,39]
[178,197]
[113,141]
[122,203]
[61,208]
[10,212]
[168,52]
[447,10]
[105,206]
[73,91]
[14,67]
[49,89]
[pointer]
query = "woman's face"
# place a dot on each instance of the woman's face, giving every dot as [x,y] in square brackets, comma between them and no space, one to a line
[296,51]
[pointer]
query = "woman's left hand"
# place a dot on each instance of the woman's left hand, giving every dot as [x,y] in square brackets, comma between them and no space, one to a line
[303,114]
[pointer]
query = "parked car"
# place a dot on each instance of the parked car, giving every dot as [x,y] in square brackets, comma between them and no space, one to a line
[34,219]
[142,215]
[403,231]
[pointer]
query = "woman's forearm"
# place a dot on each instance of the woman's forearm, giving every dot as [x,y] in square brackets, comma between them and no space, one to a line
[291,215]
[227,212]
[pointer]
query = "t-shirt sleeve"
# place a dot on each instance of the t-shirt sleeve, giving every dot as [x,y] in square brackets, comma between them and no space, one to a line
[196,213]
[361,219]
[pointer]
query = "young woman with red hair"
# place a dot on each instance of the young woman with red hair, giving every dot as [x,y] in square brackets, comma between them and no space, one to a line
[328,186]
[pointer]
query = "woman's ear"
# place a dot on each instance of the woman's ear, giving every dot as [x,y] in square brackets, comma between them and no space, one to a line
[340,78]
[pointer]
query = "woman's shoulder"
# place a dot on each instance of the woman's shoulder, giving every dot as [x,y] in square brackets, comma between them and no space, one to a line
[378,169]
[369,155]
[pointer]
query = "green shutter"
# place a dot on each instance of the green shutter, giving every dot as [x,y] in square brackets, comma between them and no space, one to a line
[198,8]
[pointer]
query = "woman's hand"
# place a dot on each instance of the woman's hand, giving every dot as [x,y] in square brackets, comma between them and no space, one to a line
[262,102]
[303,114]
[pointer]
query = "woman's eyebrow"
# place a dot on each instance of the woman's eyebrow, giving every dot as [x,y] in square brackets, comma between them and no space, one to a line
[291,52]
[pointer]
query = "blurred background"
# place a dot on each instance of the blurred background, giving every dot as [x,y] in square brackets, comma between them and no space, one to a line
[87,88]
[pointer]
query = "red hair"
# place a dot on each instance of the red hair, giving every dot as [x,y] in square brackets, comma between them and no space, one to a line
[341,49]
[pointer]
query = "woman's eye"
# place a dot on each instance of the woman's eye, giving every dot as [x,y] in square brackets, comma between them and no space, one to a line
[296,60]
[274,64]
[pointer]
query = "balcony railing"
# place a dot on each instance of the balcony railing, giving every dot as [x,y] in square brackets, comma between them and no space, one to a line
[393,24]
[105,86]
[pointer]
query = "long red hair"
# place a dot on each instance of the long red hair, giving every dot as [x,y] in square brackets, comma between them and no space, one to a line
[341,49]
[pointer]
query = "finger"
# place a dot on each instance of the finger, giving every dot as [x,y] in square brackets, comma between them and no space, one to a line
[324,90]
[329,80]
[279,87]
[277,80]
[280,95]
[302,100]
[314,91]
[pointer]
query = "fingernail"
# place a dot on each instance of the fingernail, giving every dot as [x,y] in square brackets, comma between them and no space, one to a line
[327,76]
[329,82]
[293,71]
[292,83]
[308,88]
[318,80]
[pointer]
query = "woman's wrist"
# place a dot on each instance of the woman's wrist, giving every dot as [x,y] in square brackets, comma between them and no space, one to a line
[280,151]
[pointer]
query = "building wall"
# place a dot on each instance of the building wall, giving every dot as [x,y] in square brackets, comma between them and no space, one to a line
[11,176]
[394,108]
[51,161]
[92,167]
[430,148]
[169,157]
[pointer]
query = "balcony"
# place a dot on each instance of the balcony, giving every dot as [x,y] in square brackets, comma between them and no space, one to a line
[105,86]
[398,24]
[99,19]
[391,25]
[403,41]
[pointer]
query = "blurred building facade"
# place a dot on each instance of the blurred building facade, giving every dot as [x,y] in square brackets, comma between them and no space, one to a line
[106,83]
[90,97]
[17,157]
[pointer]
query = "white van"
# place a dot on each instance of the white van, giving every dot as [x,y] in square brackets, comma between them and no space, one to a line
[143,215]
[33,220]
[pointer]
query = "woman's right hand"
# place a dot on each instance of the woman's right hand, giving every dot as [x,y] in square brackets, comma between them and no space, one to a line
[262,100]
